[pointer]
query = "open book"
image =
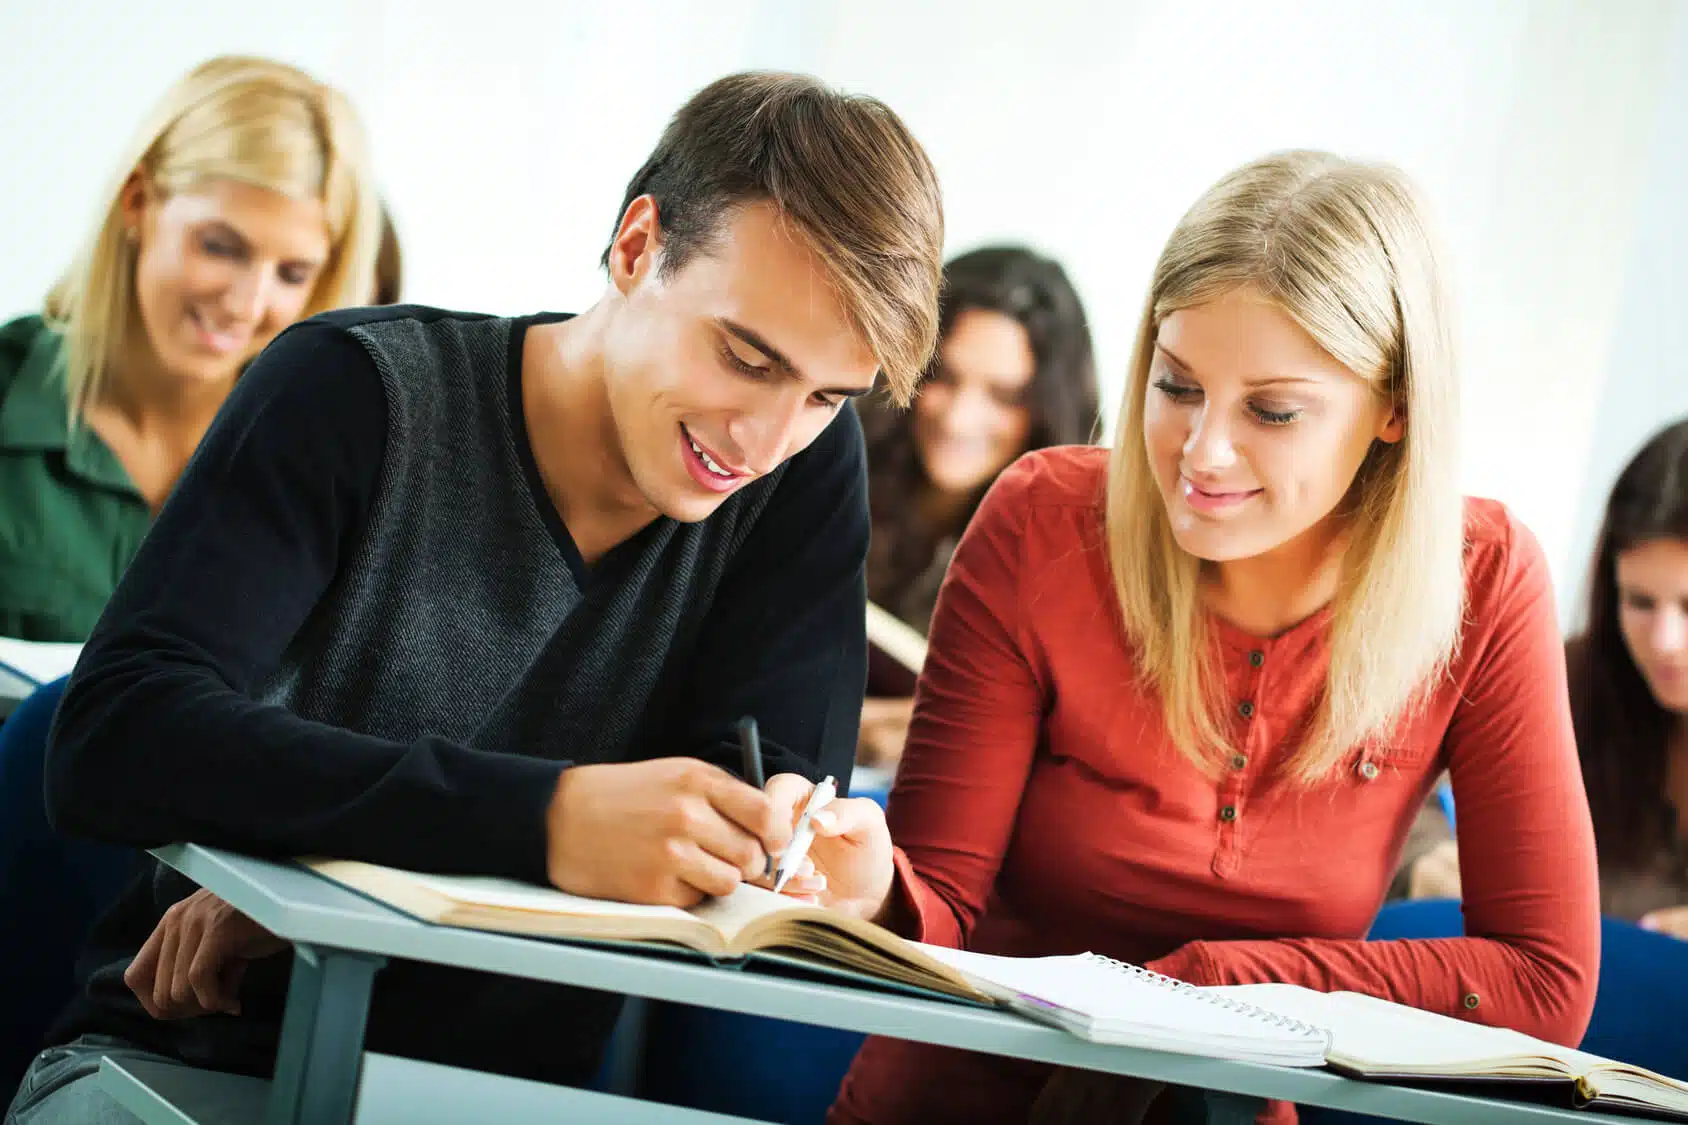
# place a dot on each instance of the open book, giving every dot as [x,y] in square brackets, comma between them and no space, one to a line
[1130,1006]
[750,923]
[1372,1038]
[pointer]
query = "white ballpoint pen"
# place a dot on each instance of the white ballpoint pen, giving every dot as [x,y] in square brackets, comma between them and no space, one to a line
[804,834]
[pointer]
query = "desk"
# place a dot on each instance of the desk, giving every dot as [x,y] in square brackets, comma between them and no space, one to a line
[342,939]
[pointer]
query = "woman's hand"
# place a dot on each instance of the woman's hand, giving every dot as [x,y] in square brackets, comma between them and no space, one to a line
[884,731]
[1672,920]
[1435,874]
[851,852]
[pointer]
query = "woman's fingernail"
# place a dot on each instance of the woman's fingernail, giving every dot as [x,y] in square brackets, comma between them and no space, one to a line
[1648,922]
[825,819]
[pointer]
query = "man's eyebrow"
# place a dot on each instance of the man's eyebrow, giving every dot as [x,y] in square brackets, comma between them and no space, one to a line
[755,340]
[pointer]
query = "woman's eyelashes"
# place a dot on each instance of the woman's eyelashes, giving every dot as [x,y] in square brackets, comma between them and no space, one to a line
[1002,394]
[1642,602]
[233,248]
[1178,392]
[220,246]
[1266,413]
[1273,417]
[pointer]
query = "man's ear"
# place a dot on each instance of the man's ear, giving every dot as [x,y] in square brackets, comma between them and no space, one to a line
[637,245]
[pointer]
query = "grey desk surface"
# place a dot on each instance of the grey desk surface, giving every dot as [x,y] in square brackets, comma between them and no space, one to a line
[302,907]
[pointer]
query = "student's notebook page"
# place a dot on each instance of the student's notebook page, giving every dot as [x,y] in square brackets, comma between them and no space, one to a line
[1376,1035]
[1109,1002]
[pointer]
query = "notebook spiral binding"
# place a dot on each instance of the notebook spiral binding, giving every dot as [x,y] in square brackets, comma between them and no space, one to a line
[1161,980]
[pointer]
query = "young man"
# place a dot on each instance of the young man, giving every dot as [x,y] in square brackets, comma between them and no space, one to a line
[466,594]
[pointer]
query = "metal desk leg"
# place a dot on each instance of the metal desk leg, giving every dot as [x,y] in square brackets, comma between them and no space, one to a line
[1232,1109]
[320,1057]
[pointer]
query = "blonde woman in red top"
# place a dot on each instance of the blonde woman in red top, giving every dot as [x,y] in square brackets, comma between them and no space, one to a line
[1184,699]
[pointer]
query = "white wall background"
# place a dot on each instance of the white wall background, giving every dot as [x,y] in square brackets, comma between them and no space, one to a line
[1645,366]
[1551,136]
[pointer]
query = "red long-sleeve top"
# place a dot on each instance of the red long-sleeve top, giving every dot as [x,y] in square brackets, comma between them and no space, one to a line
[1041,808]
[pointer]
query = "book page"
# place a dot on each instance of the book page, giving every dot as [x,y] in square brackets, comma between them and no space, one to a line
[1109,997]
[1374,1035]
[507,894]
[730,914]
[1092,988]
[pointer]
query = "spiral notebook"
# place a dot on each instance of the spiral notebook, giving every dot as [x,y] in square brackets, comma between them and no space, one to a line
[1108,1001]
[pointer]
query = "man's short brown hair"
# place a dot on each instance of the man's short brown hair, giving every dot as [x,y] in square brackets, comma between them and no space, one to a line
[856,185]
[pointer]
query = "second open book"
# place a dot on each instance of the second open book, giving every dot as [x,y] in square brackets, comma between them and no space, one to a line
[1092,997]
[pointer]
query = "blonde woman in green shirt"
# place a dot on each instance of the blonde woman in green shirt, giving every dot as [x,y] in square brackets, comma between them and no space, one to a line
[244,204]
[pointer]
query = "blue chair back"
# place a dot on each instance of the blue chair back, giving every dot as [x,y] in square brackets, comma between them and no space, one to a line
[1445,801]
[1643,992]
[51,889]
[1418,918]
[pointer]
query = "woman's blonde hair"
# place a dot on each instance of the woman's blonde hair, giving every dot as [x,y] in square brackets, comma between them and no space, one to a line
[1345,249]
[232,118]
